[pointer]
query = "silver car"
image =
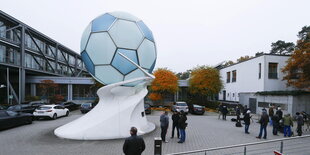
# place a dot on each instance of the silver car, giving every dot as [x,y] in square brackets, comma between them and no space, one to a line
[178,106]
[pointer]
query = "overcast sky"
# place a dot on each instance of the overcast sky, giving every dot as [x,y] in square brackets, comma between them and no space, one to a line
[187,32]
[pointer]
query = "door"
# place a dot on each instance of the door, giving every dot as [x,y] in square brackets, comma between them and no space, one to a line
[252,105]
[224,95]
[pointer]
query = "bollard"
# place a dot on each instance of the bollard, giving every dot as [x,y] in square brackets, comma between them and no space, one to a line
[157,146]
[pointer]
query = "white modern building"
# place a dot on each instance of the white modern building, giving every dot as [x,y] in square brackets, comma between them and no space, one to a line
[241,82]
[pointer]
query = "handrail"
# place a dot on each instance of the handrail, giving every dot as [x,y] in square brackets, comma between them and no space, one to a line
[239,145]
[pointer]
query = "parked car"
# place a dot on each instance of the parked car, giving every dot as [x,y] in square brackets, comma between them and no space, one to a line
[50,111]
[70,105]
[9,119]
[2,107]
[147,108]
[25,108]
[178,106]
[86,107]
[36,104]
[197,109]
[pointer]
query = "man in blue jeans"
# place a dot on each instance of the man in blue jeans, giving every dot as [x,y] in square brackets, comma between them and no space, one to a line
[264,119]
[182,126]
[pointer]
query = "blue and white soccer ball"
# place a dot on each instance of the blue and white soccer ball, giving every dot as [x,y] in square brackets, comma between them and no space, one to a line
[113,33]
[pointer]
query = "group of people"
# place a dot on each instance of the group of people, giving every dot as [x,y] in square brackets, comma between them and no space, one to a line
[178,123]
[135,145]
[276,119]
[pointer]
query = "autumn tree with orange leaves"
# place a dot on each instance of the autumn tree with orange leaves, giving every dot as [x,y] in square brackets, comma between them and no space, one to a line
[205,82]
[297,70]
[165,83]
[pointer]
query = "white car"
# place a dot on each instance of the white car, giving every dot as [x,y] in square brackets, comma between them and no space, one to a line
[50,111]
[179,106]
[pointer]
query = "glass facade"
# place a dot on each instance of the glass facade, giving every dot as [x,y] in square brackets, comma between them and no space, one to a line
[9,55]
[83,92]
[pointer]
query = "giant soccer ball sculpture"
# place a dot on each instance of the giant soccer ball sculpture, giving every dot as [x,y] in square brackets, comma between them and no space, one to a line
[119,51]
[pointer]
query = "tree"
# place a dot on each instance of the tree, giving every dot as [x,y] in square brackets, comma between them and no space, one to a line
[297,70]
[165,82]
[184,75]
[205,82]
[47,87]
[282,48]
[244,58]
[228,63]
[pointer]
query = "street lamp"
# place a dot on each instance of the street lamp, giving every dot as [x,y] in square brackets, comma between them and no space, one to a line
[2,86]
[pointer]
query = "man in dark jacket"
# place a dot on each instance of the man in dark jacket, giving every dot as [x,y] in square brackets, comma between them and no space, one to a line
[247,121]
[134,145]
[300,123]
[164,124]
[238,113]
[275,124]
[175,119]
[264,119]
[279,113]
[182,125]
[224,112]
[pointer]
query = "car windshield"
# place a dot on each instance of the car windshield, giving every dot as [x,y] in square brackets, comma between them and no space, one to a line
[181,104]
[44,108]
[86,105]
[11,113]
[16,107]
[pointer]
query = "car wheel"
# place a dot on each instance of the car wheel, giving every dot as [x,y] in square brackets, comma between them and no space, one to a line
[67,113]
[55,116]
[29,121]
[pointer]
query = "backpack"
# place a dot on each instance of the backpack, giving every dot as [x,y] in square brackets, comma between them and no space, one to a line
[238,124]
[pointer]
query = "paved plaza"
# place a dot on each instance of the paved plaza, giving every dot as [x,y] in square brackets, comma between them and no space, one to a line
[203,132]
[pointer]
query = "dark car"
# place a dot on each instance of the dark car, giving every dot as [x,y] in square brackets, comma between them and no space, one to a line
[86,107]
[70,105]
[9,119]
[147,108]
[25,108]
[197,109]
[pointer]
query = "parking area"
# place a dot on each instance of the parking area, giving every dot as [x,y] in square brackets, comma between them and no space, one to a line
[204,131]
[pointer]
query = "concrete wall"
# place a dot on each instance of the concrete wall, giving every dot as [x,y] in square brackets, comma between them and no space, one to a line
[301,103]
[275,84]
[248,80]
[290,104]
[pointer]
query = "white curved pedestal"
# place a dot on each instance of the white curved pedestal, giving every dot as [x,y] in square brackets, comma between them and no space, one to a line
[119,109]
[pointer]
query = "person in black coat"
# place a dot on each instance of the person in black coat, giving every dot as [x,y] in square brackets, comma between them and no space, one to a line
[224,112]
[264,119]
[247,121]
[182,125]
[175,121]
[300,123]
[275,124]
[134,145]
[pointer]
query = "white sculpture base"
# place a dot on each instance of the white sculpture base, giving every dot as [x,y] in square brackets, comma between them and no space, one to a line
[119,109]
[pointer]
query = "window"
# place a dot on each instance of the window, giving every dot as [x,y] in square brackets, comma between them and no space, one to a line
[259,70]
[228,77]
[273,71]
[234,76]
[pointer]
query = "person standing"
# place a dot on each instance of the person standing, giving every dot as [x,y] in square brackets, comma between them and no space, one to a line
[247,121]
[224,112]
[134,145]
[300,123]
[164,124]
[288,122]
[175,120]
[182,125]
[271,113]
[238,113]
[264,119]
[275,124]
[220,110]
[279,113]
